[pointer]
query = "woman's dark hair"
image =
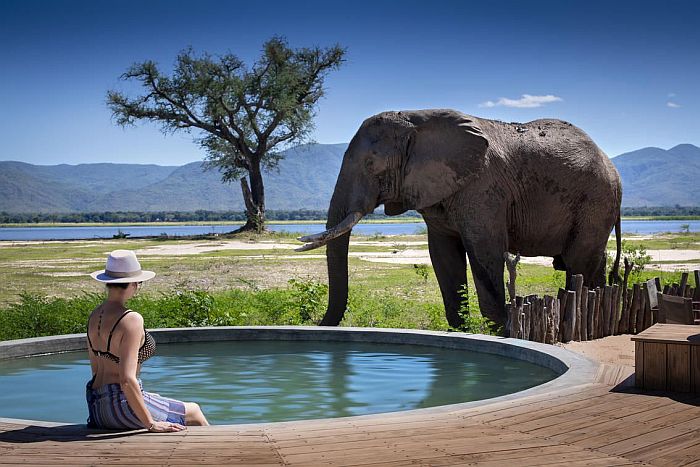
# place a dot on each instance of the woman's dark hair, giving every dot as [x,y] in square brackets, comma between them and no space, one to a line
[119,285]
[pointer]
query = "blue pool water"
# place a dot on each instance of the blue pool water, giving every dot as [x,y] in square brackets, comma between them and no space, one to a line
[267,381]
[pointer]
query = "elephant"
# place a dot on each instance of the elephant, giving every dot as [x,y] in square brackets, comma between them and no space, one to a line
[484,188]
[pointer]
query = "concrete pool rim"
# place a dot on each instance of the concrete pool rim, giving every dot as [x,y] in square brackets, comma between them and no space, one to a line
[573,369]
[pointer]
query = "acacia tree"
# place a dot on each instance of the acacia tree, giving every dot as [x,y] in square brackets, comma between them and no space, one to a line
[243,116]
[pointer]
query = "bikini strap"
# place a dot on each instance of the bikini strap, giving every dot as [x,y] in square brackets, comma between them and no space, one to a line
[87,331]
[88,336]
[109,340]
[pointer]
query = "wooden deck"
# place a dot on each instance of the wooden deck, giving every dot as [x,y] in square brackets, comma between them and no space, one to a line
[592,424]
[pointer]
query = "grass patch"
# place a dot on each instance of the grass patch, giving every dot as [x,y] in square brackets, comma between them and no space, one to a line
[300,303]
[666,241]
[46,289]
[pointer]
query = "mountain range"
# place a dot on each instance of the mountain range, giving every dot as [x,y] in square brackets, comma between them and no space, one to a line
[304,179]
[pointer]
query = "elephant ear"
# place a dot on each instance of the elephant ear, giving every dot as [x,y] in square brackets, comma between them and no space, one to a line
[443,152]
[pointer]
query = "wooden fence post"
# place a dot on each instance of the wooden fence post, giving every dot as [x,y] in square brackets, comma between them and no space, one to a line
[526,321]
[639,325]
[569,320]
[532,300]
[683,285]
[591,314]
[562,296]
[549,335]
[511,265]
[615,310]
[634,308]
[577,283]
[629,325]
[519,321]
[583,321]
[598,321]
[646,322]
[543,320]
[537,309]
[624,313]
[607,302]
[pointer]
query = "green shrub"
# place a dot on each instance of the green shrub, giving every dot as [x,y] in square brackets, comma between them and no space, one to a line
[310,299]
[36,315]
[636,254]
[422,271]
[469,310]
[302,303]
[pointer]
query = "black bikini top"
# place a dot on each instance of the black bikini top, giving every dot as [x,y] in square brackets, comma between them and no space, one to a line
[146,351]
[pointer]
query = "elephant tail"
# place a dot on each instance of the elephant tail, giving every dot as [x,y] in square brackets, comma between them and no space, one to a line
[614,277]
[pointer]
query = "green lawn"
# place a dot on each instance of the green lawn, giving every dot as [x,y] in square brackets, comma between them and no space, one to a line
[48,282]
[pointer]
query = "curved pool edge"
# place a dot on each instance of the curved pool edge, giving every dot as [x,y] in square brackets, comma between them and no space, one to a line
[573,369]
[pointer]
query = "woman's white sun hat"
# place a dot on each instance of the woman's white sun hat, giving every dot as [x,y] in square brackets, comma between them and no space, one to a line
[122,267]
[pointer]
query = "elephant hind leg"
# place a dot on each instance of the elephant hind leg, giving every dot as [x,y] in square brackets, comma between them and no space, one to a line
[587,261]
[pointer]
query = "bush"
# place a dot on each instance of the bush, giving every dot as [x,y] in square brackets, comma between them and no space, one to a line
[474,322]
[36,315]
[636,255]
[310,300]
[302,303]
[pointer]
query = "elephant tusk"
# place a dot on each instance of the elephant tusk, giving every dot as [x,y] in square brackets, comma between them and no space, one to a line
[320,239]
[310,246]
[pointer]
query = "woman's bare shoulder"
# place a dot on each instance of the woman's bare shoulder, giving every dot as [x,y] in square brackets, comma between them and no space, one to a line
[132,318]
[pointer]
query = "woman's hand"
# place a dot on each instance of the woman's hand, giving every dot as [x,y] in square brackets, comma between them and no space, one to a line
[165,427]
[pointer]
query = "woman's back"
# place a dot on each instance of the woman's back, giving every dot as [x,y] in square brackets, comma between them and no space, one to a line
[105,335]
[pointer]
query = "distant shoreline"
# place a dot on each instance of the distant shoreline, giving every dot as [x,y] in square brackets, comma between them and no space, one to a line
[397,220]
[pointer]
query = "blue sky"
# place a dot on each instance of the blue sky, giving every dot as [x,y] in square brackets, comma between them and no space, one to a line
[625,72]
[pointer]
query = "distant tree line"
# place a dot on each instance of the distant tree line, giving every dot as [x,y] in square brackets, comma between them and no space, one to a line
[240,216]
[675,211]
[165,216]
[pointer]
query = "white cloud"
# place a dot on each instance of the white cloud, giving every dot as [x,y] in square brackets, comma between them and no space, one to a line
[672,104]
[527,101]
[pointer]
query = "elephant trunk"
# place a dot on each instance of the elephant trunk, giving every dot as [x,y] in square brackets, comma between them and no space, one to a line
[337,260]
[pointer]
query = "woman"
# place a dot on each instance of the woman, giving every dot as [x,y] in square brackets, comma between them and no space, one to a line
[118,344]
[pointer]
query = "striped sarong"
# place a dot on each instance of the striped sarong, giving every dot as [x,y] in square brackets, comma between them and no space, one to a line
[108,408]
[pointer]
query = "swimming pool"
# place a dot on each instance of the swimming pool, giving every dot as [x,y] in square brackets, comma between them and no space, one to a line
[255,375]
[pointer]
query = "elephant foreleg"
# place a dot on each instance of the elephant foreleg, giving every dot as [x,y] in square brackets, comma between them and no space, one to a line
[487,263]
[449,260]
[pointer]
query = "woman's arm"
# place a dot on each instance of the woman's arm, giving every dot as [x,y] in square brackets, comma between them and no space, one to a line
[132,330]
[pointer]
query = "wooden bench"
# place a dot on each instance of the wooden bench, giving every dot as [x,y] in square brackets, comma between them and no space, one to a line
[667,358]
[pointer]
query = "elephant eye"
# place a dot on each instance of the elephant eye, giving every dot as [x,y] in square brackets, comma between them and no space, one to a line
[369,163]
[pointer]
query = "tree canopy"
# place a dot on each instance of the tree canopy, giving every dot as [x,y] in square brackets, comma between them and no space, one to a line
[243,116]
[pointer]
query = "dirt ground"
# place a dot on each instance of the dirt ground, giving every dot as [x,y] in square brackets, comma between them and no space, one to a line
[401,253]
[617,350]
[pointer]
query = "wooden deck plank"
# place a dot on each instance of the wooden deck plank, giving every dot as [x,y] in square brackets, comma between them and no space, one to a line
[684,443]
[444,443]
[515,414]
[587,425]
[464,430]
[687,456]
[643,439]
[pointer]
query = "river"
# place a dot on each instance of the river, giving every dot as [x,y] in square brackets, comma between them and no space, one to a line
[88,233]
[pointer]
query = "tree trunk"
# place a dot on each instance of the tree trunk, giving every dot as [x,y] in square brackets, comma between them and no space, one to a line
[254,198]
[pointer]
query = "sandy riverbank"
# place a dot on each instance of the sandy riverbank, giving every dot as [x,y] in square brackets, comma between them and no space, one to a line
[400,253]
